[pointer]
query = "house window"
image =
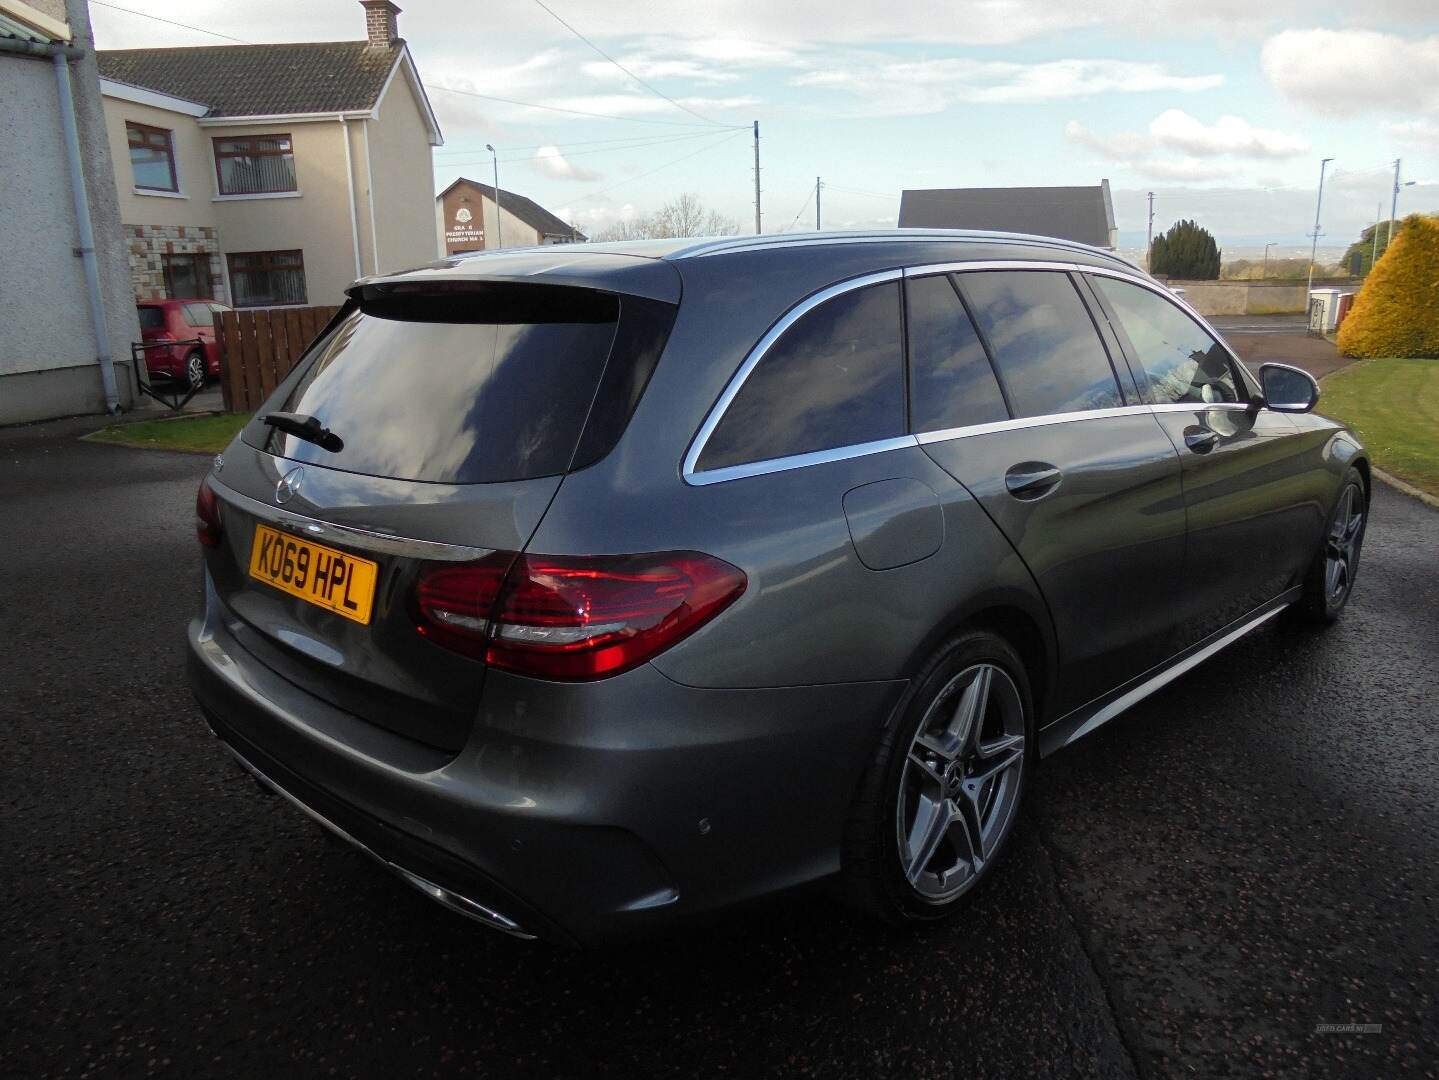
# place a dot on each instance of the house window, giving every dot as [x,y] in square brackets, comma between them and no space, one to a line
[266,278]
[255,165]
[186,276]
[152,157]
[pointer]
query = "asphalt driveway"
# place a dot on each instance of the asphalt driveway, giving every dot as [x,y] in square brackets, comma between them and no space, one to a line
[1246,855]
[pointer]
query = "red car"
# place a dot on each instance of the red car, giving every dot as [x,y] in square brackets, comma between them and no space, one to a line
[181,321]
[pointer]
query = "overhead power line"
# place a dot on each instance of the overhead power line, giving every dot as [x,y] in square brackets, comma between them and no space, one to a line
[572,112]
[807,200]
[171,22]
[447,89]
[652,89]
[720,141]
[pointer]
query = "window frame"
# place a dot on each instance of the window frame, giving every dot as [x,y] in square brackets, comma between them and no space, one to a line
[167,261]
[697,477]
[1121,364]
[145,130]
[299,253]
[949,276]
[1243,381]
[220,155]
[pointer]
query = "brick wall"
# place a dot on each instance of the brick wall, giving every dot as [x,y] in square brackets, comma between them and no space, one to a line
[147,246]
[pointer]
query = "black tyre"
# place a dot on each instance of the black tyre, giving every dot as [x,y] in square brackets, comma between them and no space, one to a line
[936,808]
[195,370]
[1330,580]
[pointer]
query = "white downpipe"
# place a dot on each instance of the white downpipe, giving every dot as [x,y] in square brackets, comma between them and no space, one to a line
[370,199]
[86,249]
[350,191]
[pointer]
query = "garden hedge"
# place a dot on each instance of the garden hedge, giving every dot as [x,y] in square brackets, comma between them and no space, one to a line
[1397,311]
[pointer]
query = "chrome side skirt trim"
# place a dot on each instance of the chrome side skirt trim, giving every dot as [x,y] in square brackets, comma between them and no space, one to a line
[1082,721]
[366,539]
[462,905]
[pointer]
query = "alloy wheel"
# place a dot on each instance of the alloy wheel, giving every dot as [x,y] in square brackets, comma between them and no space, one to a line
[961,782]
[195,370]
[1341,548]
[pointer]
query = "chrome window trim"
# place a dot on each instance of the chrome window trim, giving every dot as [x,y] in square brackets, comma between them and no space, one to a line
[1145,282]
[696,478]
[365,539]
[1021,422]
[799,461]
[690,470]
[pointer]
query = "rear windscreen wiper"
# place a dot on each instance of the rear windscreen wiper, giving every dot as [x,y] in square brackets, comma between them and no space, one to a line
[304,427]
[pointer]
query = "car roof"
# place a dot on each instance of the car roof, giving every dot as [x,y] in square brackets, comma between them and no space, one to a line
[648,267]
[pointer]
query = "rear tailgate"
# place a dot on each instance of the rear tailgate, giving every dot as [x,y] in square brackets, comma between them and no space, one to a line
[459,412]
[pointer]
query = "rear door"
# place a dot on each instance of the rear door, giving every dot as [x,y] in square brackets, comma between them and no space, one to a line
[457,414]
[1251,523]
[1019,401]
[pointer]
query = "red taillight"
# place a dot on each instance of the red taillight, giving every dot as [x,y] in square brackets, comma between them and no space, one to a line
[574,617]
[207,516]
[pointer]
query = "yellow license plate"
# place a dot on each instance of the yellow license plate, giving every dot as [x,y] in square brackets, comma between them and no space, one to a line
[334,580]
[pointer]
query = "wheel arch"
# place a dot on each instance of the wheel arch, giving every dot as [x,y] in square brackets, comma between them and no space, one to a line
[1018,619]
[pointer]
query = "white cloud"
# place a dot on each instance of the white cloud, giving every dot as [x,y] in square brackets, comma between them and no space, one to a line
[1415,134]
[1199,143]
[652,68]
[1348,72]
[645,104]
[901,87]
[549,161]
[1229,135]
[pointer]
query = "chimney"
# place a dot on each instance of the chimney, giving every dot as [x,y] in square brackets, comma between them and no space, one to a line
[380,22]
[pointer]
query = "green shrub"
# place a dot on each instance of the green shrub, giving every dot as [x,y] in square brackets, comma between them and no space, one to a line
[1397,311]
[1187,252]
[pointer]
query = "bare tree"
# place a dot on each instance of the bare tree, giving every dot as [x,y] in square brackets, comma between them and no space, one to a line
[684,216]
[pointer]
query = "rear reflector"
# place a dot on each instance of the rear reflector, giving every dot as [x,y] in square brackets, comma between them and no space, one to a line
[573,617]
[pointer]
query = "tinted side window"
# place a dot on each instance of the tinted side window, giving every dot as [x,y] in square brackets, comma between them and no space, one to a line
[950,381]
[835,378]
[1182,361]
[151,318]
[1043,341]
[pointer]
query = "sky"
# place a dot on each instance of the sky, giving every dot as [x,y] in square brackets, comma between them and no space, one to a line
[1222,108]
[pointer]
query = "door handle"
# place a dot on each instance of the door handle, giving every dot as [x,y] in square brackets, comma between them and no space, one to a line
[1201,440]
[1032,479]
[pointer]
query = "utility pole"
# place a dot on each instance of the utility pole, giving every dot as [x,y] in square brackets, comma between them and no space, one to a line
[817,186]
[1265,272]
[757,229]
[1149,244]
[1378,214]
[499,235]
[1393,205]
[1314,248]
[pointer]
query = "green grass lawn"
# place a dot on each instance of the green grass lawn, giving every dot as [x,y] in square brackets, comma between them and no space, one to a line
[1394,406]
[197,434]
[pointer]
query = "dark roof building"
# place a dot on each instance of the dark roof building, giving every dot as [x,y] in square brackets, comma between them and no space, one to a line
[261,80]
[1082,214]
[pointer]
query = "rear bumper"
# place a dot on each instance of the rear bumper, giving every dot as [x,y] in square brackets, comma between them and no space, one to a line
[576,812]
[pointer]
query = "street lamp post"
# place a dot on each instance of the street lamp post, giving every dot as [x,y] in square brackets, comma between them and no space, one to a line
[499,232]
[1265,272]
[1314,248]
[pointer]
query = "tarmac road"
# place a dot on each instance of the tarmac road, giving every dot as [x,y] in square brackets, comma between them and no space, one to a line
[1245,856]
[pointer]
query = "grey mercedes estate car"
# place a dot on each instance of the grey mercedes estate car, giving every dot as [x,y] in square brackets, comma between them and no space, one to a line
[589,589]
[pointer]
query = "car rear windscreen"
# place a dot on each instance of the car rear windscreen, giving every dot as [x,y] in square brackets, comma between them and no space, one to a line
[479,385]
[151,318]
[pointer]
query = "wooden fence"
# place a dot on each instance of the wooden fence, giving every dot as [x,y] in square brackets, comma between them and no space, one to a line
[258,349]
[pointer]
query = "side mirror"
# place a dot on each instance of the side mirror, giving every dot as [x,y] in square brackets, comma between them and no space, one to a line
[1288,389]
